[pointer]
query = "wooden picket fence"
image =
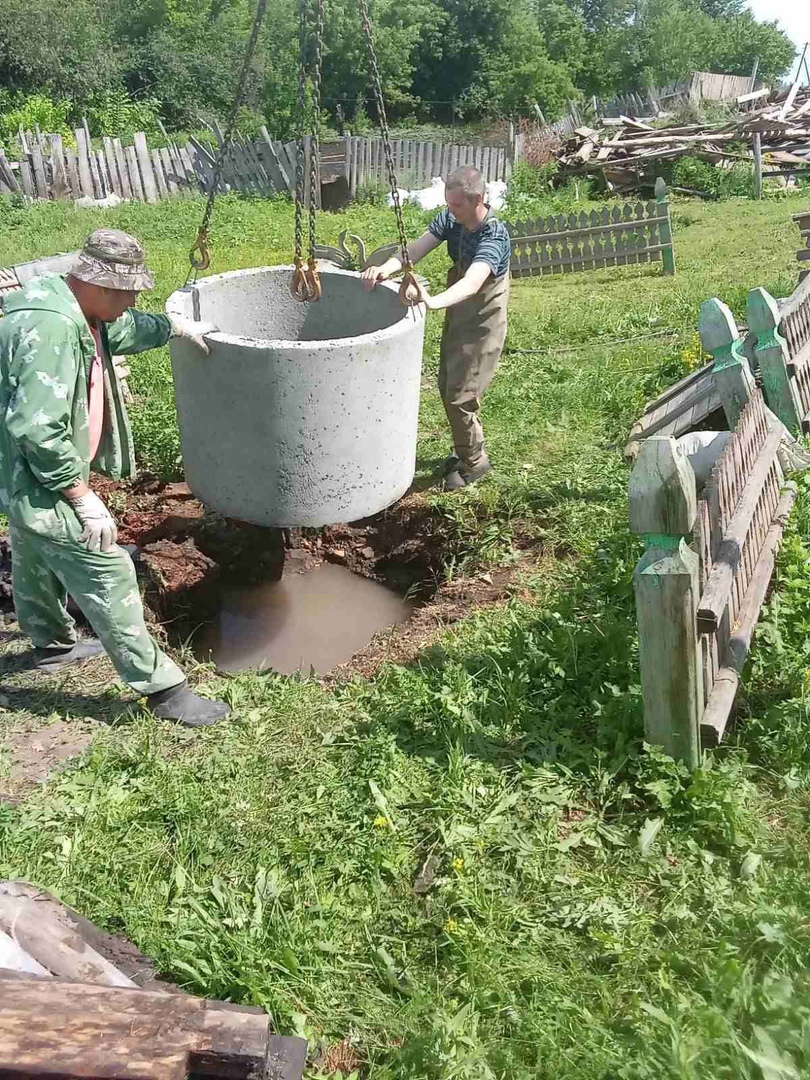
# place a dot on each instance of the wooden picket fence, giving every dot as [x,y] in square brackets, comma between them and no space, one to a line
[633,233]
[710,548]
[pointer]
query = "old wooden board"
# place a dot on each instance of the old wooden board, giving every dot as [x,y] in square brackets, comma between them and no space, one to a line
[680,409]
[56,1028]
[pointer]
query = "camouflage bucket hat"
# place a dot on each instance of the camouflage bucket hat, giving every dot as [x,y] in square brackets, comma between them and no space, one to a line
[114,260]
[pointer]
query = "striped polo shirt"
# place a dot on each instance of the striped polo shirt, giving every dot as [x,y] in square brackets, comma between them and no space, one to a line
[489,244]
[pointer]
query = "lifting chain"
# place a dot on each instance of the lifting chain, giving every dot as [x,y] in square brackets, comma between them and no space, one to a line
[200,256]
[306,282]
[408,292]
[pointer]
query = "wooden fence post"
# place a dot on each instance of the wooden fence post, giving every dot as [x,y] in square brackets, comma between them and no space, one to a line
[664,227]
[773,355]
[757,165]
[720,337]
[663,508]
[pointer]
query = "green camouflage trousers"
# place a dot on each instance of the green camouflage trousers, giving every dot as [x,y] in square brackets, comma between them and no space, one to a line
[46,568]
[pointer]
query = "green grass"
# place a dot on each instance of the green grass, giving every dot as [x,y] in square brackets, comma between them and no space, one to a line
[595,912]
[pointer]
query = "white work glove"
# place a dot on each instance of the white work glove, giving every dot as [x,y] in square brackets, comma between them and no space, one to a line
[100,531]
[193,331]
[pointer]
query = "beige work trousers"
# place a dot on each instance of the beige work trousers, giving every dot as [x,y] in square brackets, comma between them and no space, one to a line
[472,340]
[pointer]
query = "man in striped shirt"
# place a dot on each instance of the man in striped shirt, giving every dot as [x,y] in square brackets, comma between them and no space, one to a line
[476,300]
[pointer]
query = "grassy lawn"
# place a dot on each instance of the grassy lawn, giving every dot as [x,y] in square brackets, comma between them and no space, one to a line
[469,867]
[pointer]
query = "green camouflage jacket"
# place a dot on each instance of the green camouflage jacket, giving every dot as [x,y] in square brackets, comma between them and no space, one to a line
[46,351]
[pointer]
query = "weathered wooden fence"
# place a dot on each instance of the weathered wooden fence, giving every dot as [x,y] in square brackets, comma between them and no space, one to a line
[710,543]
[49,169]
[803,254]
[562,244]
[416,161]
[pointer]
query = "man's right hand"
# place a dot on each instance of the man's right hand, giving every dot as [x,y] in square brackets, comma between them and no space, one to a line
[100,532]
[372,276]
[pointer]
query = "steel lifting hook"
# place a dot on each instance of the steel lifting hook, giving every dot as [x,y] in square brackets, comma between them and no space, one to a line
[408,290]
[200,255]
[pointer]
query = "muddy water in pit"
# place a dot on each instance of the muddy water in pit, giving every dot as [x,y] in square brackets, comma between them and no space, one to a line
[315,620]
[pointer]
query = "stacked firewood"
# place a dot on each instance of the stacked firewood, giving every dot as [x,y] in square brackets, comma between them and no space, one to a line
[628,151]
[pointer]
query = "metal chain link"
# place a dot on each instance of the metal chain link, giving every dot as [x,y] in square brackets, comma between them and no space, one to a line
[301,107]
[386,135]
[199,256]
[315,149]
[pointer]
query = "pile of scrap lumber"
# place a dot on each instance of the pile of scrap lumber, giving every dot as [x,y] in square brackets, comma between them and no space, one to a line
[769,129]
[78,1003]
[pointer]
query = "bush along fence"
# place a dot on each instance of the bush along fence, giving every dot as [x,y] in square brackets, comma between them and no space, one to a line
[711,540]
[803,254]
[49,169]
[634,233]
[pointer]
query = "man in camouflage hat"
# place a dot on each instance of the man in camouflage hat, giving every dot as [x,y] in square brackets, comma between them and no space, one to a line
[63,415]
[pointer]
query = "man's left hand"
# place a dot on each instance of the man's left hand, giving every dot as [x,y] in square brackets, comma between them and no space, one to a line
[424,296]
[193,331]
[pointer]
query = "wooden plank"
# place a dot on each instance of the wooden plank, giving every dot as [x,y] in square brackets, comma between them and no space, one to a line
[27,178]
[72,170]
[276,173]
[38,170]
[83,161]
[50,1027]
[112,166]
[7,174]
[160,176]
[134,174]
[150,188]
[123,172]
[188,168]
[169,171]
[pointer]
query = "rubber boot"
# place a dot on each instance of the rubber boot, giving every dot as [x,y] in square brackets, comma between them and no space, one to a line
[54,659]
[181,704]
[463,477]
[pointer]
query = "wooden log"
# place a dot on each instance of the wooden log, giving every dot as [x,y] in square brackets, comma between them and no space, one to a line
[773,356]
[123,171]
[61,183]
[664,226]
[720,337]
[50,1027]
[83,162]
[150,188]
[663,509]
[42,928]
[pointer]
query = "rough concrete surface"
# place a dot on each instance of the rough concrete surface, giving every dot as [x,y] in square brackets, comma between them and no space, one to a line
[303,414]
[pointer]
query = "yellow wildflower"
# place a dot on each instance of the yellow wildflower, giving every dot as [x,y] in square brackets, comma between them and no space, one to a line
[451,925]
[380,822]
[458,864]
